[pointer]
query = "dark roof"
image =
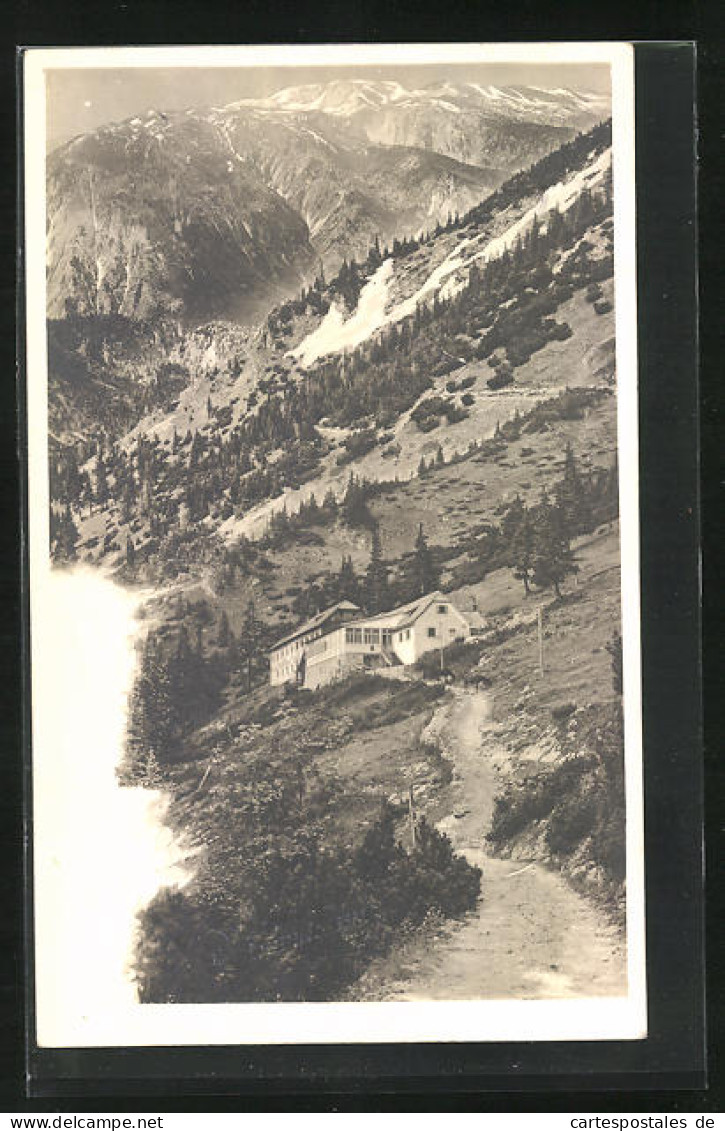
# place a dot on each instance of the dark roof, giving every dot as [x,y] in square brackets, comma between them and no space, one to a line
[317,622]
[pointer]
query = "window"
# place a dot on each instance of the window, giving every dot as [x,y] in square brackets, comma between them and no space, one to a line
[358,635]
[443,609]
[432,630]
[451,632]
[349,636]
[387,637]
[376,636]
[407,634]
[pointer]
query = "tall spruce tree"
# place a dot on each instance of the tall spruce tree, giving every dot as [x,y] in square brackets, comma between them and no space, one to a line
[250,644]
[348,585]
[426,577]
[553,558]
[376,588]
[517,530]
[571,496]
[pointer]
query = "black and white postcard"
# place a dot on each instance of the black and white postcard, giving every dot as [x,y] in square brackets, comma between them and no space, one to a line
[333,544]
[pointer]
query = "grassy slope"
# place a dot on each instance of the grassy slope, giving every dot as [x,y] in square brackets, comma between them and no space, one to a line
[363,735]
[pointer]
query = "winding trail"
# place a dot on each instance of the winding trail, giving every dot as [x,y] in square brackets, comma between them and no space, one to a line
[531,935]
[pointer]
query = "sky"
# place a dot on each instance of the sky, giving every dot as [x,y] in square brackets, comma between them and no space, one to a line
[79,100]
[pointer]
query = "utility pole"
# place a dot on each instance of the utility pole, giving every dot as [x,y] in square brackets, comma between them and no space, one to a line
[411,816]
[540,623]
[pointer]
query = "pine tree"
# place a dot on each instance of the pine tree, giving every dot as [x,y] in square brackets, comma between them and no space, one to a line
[348,585]
[250,643]
[518,533]
[151,722]
[571,496]
[614,648]
[553,558]
[426,577]
[224,634]
[101,481]
[376,577]
[64,534]
[130,552]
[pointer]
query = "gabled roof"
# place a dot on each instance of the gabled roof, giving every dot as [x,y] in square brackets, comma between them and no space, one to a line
[317,622]
[405,615]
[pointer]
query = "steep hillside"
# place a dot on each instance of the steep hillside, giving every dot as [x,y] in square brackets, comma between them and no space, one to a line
[348,191]
[210,213]
[478,323]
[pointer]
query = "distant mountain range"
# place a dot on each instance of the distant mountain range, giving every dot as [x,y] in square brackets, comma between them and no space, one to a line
[221,212]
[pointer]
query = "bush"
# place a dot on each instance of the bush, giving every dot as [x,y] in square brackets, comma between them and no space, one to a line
[311,917]
[579,802]
[503,378]
[357,445]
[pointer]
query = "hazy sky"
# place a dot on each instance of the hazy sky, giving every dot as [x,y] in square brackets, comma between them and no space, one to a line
[81,100]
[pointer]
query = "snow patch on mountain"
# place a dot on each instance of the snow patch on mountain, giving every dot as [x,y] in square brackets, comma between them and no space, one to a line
[336,333]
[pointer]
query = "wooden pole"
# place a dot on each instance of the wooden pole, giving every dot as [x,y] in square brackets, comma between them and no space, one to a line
[411,815]
[540,623]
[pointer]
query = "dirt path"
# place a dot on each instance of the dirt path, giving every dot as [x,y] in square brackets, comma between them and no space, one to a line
[531,935]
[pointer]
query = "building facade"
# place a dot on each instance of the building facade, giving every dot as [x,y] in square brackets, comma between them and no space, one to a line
[342,640]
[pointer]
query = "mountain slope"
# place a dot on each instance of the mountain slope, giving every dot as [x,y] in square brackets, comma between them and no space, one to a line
[153,218]
[508,127]
[467,338]
[348,191]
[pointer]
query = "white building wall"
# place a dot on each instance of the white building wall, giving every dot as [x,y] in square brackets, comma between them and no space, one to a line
[436,629]
[331,655]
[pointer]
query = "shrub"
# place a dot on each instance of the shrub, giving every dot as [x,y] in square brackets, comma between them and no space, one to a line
[311,917]
[579,802]
[501,380]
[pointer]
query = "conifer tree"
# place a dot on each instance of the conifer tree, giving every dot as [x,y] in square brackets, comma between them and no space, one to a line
[224,634]
[64,533]
[571,496]
[518,532]
[347,581]
[101,481]
[376,577]
[553,559]
[426,577]
[614,648]
[250,642]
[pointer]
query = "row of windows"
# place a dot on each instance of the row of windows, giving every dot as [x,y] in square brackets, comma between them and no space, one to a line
[358,636]
[294,647]
[383,636]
